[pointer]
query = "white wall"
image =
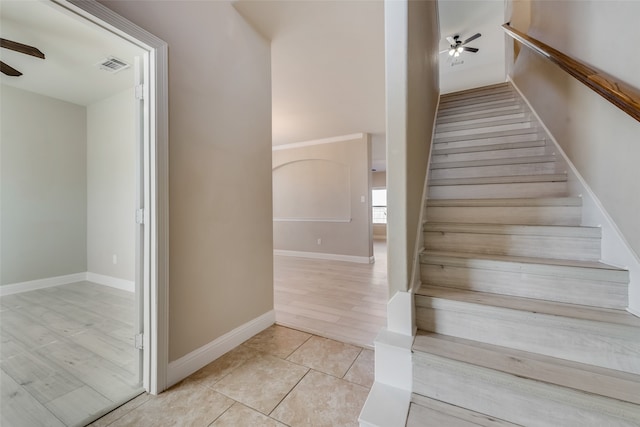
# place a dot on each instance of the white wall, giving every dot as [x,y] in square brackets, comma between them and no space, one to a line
[43,186]
[317,193]
[111,184]
[220,228]
[599,139]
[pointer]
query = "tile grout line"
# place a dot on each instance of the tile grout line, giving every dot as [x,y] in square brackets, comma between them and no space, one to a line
[351,366]
[289,392]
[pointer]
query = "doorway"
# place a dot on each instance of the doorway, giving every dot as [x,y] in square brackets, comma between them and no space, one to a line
[71,287]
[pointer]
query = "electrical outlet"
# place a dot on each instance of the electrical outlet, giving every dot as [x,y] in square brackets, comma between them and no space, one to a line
[319,241]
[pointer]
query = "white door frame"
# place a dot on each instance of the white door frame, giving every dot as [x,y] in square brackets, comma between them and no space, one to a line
[155,265]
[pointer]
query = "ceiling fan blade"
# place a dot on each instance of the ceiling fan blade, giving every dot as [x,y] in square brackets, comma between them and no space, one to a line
[9,70]
[470,49]
[472,38]
[22,48]
[451,40]
[446,50]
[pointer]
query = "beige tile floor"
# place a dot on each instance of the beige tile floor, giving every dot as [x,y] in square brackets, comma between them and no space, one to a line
[280,377]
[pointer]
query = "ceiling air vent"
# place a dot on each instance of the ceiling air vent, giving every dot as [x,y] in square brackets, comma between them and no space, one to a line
[113,65]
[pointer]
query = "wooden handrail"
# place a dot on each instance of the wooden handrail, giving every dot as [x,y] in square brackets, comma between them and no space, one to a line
[620,94]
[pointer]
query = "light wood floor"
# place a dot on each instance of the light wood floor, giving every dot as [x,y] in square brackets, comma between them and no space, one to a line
[66,354]
[340,300]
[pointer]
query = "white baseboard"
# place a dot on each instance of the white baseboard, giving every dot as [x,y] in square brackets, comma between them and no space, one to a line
[320,255]
[49,282]
[113,282]
[32,285]
[190,363]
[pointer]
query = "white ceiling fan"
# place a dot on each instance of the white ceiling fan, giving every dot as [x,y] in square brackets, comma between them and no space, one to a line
[457,46]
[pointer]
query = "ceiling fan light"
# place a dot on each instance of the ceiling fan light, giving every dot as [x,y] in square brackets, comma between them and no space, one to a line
[451,52]
[456,54]
[459,49]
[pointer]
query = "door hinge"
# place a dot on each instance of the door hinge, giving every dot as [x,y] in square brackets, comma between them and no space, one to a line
[139,91]
[139,216]
[138,344]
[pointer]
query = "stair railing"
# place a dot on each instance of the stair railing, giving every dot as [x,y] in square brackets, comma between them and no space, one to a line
[620,94]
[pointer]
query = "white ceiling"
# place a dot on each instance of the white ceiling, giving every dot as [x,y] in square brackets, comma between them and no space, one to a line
[327,68]
[327,59]
[466,18]
[72,49]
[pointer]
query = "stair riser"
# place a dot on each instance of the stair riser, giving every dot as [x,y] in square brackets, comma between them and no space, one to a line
[516,399]
[486,191]
[486,113]
[578,248]
[533,215]
[478,108]
[473,94]
[558,270]
[480,131]
[492,154]
[601,344]
[526,135]
[545,287]
[501,170]
[481,101]
[482,123]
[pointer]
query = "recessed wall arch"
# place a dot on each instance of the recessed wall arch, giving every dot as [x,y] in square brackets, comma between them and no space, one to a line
[312,190]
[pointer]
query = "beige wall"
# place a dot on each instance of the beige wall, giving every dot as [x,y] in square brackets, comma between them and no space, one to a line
[220,229]
[412,37]
[43,186]
[600,140]
[317,194]
[111,184]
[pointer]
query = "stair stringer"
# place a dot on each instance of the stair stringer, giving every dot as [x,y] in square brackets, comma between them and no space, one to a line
[615,250]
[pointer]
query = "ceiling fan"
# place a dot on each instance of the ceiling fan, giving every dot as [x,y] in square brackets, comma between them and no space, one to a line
[457,46]
[18,47]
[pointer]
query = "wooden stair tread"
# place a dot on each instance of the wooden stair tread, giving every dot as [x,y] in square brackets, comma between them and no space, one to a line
[526,260]
[494,162]
[514,229]
[487,88]
[426,412]
[580,376]
[511,179]
[541,201]
[521,132]
[477,101]
[482,122]
[486,129]
[492,103]
[532,305]
[489,147]
[485,113]
[561,268]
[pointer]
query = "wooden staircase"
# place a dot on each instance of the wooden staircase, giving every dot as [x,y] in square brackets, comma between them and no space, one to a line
[518,321]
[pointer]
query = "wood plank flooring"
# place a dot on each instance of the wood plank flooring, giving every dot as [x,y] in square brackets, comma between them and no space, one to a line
[66,354]
[344,301]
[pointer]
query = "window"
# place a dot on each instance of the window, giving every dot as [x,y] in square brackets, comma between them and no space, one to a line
[379,204]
